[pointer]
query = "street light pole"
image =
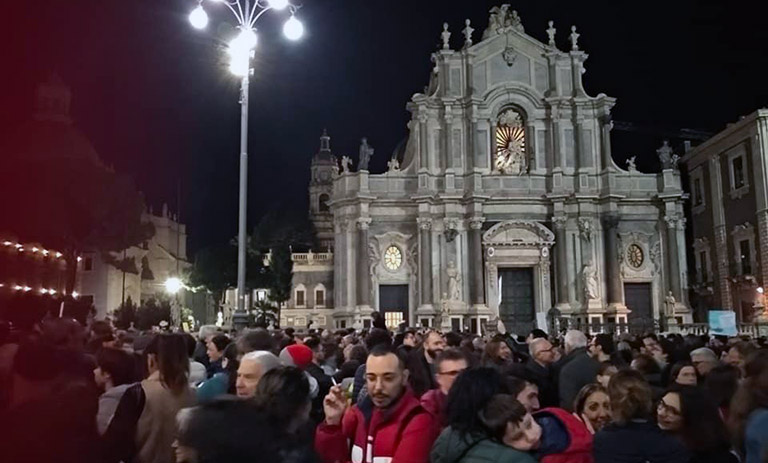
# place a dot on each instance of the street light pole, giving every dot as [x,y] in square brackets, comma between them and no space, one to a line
[241,52]
[240,317]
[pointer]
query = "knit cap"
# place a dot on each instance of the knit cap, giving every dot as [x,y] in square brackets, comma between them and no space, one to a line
[296,355]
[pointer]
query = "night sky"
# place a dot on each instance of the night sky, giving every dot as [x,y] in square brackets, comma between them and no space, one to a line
[156,99]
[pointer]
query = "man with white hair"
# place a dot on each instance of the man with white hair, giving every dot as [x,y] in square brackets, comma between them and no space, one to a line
[704,360]
[252,367]
[538,369]
[577,370]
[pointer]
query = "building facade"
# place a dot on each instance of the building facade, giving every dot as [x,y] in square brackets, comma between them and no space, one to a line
[729,218]
[504,203]
[108,283]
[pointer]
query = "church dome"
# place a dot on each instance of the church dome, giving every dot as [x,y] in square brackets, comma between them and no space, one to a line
[51,134]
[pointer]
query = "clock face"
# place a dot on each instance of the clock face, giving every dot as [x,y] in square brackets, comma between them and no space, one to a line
[635,256]
[393,258]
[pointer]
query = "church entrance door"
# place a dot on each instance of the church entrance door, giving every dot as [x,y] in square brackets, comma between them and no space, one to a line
[393,304]
[637,297]
[516,308]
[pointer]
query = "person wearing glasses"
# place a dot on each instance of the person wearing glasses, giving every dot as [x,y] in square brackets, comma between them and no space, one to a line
[689,415]
[449,364]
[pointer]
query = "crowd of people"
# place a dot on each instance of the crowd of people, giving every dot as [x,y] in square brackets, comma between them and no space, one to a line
[70,393]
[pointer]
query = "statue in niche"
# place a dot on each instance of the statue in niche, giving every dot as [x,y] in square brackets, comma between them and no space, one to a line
[345,163]
[669,305]
[585,228]
[589,278]
[366,152]
[454,282]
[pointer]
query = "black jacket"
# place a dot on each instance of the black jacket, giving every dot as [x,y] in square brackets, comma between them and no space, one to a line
[421,377]
[579,370]
[545,380]
[637,442]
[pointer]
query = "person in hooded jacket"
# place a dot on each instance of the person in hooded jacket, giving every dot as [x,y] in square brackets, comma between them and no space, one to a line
[468,438]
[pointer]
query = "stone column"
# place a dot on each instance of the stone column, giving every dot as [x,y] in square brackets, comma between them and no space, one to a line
[612,272]
[476,260]
[672,255]
[425,260]
[606,127]
[363,275]
[561,259]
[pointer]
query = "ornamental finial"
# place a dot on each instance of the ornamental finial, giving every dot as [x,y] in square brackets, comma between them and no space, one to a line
[467,34]
[446,35]
[551,33]
[574,39]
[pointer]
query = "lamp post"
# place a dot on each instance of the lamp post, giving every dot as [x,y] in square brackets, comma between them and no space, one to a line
[240,52]
[172,286]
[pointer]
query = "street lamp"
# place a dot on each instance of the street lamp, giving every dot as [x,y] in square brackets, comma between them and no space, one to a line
[240,51]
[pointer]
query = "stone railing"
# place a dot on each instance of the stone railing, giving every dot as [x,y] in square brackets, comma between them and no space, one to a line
[310,258]
[744,329]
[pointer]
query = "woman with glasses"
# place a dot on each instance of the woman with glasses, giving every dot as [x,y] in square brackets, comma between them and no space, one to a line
[692,417]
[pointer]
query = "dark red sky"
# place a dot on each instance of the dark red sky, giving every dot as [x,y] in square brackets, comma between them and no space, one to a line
[157,101]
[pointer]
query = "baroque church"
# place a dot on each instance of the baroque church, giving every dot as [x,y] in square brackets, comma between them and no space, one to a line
[505,203]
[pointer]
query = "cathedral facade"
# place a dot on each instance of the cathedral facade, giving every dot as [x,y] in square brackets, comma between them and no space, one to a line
[505,202]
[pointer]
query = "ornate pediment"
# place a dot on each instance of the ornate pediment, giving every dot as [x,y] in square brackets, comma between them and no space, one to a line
[519,233]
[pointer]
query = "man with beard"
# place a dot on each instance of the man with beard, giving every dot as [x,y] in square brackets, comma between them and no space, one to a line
[421,363]
[387,425]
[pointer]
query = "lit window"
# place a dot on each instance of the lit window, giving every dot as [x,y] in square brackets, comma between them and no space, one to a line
[393,319]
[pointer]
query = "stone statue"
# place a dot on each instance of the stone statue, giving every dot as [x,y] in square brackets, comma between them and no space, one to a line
[335,169]
[674,161]
[345,163]
[585,228]
[589,277]
[513,20]
[551,34]
[366,152]
[393,165]
[631,166]
[669,305]
[574,39]
[665,155]
[467,34]
[446,36]
[454,282]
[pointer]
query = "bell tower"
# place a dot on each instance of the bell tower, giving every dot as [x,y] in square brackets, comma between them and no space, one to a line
[324,168]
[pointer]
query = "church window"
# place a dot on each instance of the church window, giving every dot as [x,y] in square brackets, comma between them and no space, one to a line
[323,203]
[510,156]
[320,298]
[738,172]
[300,298]
[698,198]
[746,257]
[635,256]
[393,258]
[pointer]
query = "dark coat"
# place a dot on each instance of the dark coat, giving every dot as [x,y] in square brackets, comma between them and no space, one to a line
[455,447]
[420,373]
[324,384]
[545,380]
[637,442]
[580,370]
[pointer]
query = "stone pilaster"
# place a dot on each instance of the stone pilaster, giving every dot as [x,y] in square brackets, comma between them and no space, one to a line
[561,260]
[721,235]
[477,288]
[605,145]
[425,260]
[612,271]
[673,260]
[363,264]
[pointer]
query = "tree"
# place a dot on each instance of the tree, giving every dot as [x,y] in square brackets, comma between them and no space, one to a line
[264,313]
[125,315]
[215,270]
[280,276]
[276,229]
[71,205]
[152,312]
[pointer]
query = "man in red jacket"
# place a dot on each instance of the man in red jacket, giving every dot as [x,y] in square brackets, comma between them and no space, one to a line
[387,426]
